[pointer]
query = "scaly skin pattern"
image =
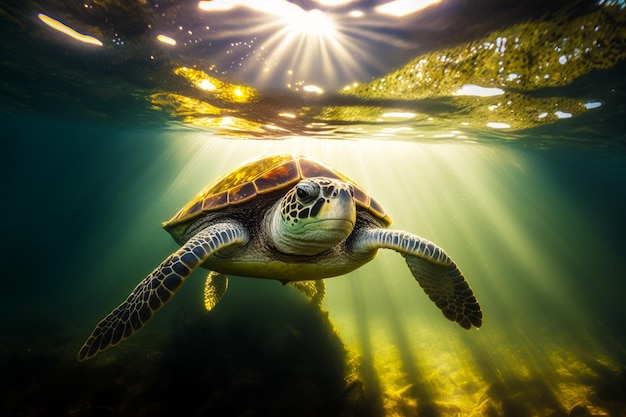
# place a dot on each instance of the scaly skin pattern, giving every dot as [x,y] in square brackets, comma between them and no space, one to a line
[158,288]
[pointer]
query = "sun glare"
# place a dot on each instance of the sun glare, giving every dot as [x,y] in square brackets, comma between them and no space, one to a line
[313,46]
[303,40]
[312,22]
[401,8]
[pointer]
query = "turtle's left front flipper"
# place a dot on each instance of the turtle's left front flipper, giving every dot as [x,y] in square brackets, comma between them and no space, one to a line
[433,269]
[159,287]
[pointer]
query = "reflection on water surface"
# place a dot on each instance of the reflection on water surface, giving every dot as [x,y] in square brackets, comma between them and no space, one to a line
[398,69]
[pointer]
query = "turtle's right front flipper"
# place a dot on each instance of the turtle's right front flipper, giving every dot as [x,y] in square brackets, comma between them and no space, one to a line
[159,287]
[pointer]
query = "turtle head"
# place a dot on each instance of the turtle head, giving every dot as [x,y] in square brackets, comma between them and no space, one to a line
[315,215]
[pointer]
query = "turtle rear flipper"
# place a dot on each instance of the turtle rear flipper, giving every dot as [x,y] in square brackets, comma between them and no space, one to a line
[159,287]
[314,290]
[433,269]
[215,287]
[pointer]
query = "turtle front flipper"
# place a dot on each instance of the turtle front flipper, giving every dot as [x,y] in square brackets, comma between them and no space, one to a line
[433,269]
[159,287]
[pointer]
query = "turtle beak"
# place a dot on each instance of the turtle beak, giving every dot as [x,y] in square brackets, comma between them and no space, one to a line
[339,227]
[338,213]
[342,208]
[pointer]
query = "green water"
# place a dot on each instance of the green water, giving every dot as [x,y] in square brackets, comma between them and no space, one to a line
[533,216]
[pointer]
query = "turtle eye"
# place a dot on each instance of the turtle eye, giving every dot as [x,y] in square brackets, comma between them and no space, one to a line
[307,191]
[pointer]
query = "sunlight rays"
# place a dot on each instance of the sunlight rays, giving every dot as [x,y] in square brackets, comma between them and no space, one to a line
[295,46]
[306,53]
[482,205]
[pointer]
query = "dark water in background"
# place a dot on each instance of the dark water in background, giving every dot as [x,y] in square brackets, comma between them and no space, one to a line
[91,166]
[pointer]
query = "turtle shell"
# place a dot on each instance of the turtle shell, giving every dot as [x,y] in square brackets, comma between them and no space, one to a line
[264,176]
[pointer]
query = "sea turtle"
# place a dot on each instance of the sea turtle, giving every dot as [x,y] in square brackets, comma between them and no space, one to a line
[288,218]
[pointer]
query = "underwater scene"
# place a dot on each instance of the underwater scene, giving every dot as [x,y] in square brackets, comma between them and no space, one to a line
[378,208]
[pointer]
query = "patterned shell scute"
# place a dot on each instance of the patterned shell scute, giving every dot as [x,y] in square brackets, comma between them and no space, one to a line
[263,176]
[241,194]
[279,177]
